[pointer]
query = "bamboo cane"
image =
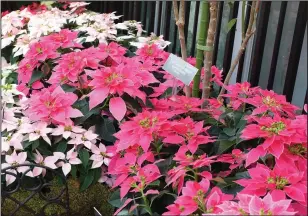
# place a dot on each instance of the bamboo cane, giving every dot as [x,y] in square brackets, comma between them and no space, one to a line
[202,35]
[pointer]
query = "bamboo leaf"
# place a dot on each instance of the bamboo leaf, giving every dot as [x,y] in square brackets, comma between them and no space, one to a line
[230,24]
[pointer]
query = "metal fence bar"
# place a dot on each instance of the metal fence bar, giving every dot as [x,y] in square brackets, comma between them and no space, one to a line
[297,44]
[230,40]
[259,43]
[241,61]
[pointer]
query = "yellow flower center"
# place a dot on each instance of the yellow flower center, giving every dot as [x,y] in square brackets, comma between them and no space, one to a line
[103,154]
[270,101]
[111,77]
[275,128]
[243,213]
[150,51]
[188,106]
[189,135]
[147,123]
[280,182]
[39,49]
[298,149]
[264,213]
[68,128]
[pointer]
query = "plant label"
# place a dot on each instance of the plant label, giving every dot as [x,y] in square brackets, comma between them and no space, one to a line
[180,69]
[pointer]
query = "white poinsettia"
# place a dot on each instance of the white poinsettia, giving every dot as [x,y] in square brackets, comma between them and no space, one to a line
[47,22]
[9,121]
[87,139]
[22,45]
[12,140]
[37,130]
[67,131]
[100,156]
[67,160]
[142,41]
[97,26]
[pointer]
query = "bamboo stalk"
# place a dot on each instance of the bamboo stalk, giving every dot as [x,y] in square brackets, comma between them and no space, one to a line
[249,33]
[179,16]
[208,54]
[202,35]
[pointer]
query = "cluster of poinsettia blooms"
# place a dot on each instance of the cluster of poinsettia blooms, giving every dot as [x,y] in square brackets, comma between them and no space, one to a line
[167,148]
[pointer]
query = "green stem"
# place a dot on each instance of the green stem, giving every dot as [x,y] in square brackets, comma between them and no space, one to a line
[243,19]
[202,35]
[146,203]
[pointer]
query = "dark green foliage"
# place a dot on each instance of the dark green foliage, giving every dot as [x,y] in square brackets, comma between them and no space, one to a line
[81,203]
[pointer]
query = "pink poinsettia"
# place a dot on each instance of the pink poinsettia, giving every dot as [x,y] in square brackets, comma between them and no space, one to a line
[112,50]
[52,105]
[267,101]
[42,51]
[217,75]
[67,160]
[116,81]
[185,163]
[282,179]
[65,39]
[254,205]
[238,93]
[194,198]
[214,107]
[25,69]
[71,65]
[183,104]
[276,131]
[149,52]
[191,132]
[235,159]
[142,129]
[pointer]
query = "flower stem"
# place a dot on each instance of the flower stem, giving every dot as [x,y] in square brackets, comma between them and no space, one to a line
[146,203]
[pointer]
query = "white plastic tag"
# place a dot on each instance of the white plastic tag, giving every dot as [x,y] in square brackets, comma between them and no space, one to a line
[180,69]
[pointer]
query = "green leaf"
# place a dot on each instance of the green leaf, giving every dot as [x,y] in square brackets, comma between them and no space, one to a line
[155,183]
[161,193]
[97,174]
[84,157]
[74,171]
[35,144]
[83,106]
[26,143]
[115,199]
[167,93]
[68,88]
[242,175]
[132,103]
[105,129]
[229,131]
[13,60]
[87,182]
[61,146]
[36,75]
[219,180]
[224,145]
